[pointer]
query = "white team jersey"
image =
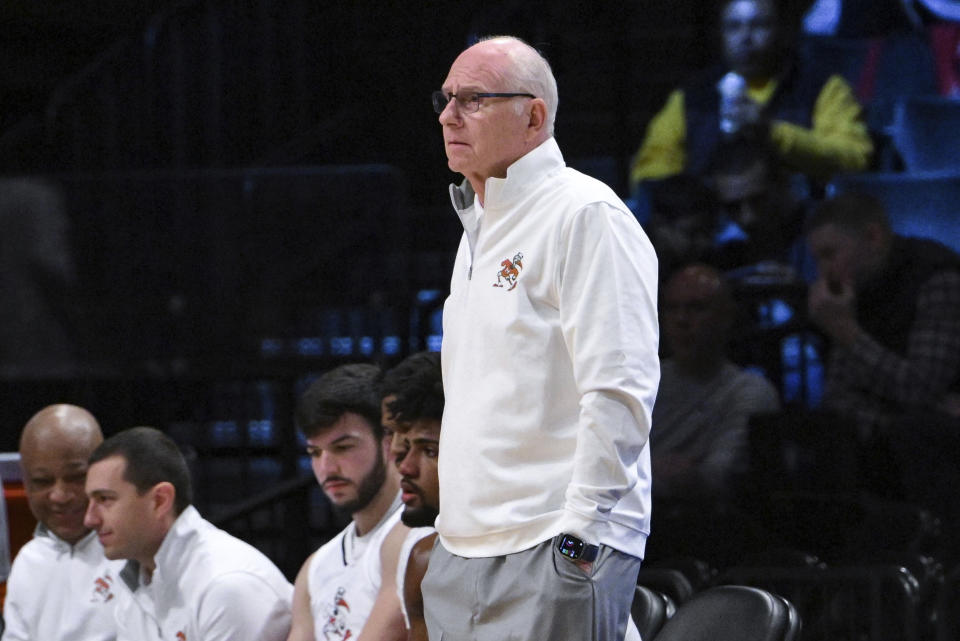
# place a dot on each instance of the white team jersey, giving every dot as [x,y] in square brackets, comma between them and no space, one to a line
[344,578]
[414,536]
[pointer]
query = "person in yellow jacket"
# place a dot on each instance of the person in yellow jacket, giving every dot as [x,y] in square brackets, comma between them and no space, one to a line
[810,118]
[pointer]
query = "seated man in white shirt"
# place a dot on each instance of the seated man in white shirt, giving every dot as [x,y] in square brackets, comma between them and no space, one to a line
[343,591]
[61,586]
[184,579]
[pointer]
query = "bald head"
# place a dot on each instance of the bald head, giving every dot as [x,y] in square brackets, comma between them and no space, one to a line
[62,423]
[54,448]
[523,66]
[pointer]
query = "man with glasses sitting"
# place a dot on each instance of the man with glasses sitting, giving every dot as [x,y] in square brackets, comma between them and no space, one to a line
[550,371]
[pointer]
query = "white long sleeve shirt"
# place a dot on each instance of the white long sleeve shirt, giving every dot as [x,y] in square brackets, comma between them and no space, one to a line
[59,591]
[207,586]
[550,365]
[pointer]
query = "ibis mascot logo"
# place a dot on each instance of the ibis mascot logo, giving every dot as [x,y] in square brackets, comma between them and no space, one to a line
[336,626]
[509,272]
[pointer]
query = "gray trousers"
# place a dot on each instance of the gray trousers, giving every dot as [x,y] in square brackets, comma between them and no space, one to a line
[533,595]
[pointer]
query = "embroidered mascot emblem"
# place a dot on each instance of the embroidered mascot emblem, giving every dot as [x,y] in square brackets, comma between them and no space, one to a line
[181,636]
[336,625]
[102,591]
[509,272]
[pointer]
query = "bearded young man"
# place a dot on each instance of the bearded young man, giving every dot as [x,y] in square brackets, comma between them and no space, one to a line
[412,408]
[342,592]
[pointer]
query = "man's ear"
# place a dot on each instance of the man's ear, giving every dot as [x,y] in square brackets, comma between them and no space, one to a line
[164,496]
[538,117]
[385,444]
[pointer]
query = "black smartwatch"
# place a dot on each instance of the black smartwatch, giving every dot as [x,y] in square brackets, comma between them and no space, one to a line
[576,550]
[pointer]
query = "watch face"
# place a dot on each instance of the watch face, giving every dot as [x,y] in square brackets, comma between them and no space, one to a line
[571,546]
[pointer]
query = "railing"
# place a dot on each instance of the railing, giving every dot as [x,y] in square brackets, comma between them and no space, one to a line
[278,522]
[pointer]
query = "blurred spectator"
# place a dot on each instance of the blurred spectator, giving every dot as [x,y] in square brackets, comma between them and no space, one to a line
[750,214]
[799,123]
[699,437]
[809,117]
[36,278]
[890,307]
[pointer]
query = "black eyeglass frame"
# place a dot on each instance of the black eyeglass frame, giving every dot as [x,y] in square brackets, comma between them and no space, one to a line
[441,100]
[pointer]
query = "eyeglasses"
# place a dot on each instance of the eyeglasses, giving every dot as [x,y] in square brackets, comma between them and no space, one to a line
[469,102]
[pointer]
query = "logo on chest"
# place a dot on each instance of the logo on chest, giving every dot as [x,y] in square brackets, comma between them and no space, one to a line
[509,272]
[102,589]
[336,625]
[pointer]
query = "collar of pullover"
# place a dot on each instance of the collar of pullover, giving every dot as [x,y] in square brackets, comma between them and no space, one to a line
[170,558]
[500,193]
[61,546]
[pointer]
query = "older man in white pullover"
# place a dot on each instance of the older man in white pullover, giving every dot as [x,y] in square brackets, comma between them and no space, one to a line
[550,373]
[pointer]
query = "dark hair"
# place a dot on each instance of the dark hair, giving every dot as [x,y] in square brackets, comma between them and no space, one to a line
[152,457]
[851,211]
[416,383]
[348,388]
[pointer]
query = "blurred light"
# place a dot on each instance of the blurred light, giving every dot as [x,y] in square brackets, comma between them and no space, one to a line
[341,346]
[428,295]
[271,347]
[391,345]
[310,346]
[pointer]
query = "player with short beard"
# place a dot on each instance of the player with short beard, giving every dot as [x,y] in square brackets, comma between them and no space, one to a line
[412,409]
[341,591]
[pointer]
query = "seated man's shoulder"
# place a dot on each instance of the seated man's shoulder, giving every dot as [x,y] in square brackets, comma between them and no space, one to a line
[420,553]
[218,554]
[417,564]
[39,549]
[754,387]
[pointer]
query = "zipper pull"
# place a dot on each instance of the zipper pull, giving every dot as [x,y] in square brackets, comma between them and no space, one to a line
[470,273]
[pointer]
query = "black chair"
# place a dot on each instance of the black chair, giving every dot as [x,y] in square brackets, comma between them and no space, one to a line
[698,572]
[650,610]
[668,581]
[733,613]
[948,619]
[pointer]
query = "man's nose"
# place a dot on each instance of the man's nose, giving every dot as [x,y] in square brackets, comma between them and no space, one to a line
[90,518]
[325,464]
[408,466]
[60,493]
[450,113]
